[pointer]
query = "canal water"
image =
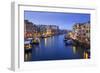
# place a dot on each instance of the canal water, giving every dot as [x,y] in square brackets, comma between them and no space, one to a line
[54,48]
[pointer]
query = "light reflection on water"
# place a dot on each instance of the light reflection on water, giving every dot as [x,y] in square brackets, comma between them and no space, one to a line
[54,48]
[74,49]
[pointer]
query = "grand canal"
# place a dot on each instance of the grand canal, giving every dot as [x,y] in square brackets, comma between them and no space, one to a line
[54,48]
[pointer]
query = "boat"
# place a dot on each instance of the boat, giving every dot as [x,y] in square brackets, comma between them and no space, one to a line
[69,42]
[35,41]
[29,39]
[27,45]
[66,37]
[44,36]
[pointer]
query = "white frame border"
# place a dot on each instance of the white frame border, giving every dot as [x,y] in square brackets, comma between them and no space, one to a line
[16,60]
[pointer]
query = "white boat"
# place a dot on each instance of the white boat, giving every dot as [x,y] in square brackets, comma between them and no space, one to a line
[27,45]
[69,42]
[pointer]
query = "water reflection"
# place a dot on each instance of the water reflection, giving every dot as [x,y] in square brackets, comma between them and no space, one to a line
[54,48]
[84,52]
[86,56]
[74,49]
[28,56]
[45,41]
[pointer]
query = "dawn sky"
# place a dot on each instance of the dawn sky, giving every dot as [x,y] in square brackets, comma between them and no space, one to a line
[63,20]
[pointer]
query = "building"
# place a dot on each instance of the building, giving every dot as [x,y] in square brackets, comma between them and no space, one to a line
[82,32]
[48,29]
[29,29]
[32,30]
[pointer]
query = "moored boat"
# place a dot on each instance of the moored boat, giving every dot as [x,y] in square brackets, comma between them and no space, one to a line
[35,41]
[27,45]
[69,42]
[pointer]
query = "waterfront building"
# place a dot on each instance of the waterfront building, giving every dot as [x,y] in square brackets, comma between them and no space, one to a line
[48,29]
[36,30]
[82,32]
[29,29]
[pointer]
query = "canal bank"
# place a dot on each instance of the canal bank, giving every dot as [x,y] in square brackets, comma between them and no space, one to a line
[54,48]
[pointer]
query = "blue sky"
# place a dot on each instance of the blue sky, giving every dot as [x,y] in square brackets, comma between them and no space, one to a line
[63,20]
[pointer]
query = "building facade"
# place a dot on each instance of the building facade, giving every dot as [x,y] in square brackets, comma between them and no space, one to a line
[32,30]
[82,32]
